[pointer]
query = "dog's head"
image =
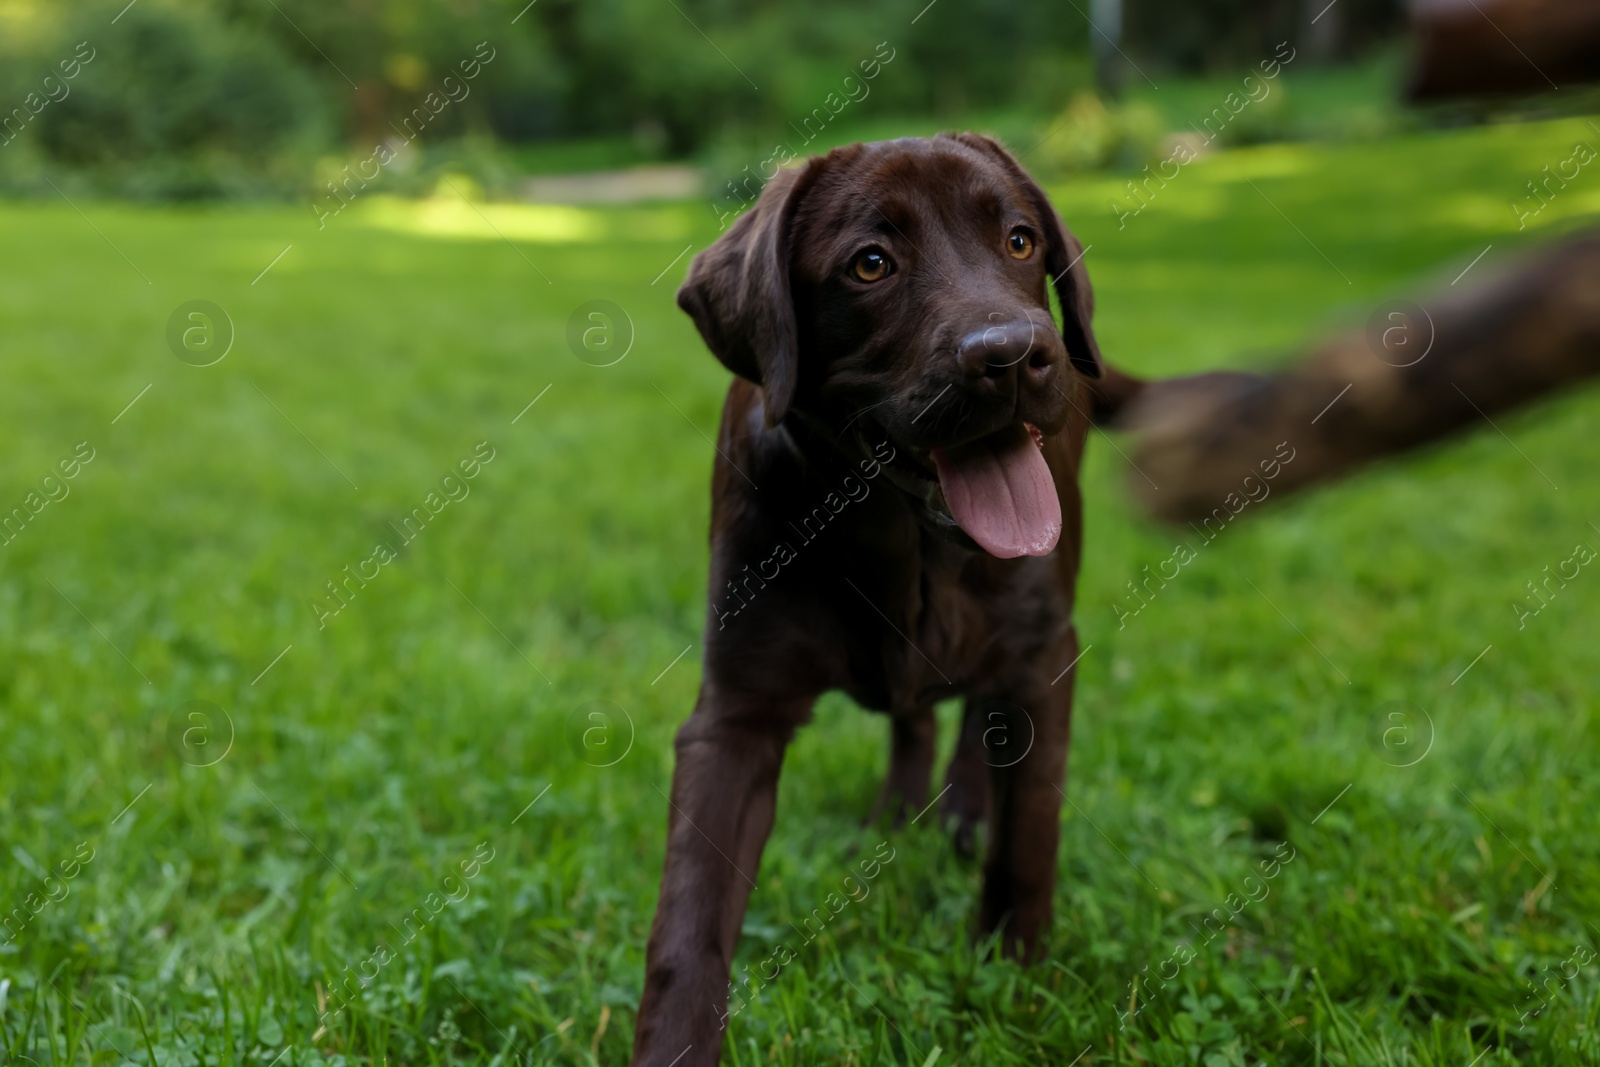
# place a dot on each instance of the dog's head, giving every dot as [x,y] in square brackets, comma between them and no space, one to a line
[903,289]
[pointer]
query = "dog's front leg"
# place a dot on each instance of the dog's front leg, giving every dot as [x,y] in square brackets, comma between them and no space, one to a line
[1028,761]
[724,791]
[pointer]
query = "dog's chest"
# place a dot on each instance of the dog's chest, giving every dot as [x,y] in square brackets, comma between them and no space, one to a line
[965,625]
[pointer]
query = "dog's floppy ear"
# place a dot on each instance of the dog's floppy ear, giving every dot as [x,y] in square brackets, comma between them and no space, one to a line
[738,293]
[1063,259]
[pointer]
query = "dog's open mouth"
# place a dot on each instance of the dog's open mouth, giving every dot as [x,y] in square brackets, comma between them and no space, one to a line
[1001,493]
[998,490]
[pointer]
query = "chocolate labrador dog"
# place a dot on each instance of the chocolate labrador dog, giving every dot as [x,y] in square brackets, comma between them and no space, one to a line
[895,514]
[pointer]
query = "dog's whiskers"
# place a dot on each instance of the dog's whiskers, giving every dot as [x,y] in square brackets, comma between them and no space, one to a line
[864,410]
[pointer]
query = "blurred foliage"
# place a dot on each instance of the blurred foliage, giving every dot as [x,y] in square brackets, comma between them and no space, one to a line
[199,98]
[1206,35]
[1090,135]
[1350,102]
[206,105]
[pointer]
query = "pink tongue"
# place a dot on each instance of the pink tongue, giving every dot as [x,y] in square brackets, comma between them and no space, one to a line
[1001,493]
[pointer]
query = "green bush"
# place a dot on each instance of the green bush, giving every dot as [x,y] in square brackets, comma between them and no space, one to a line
[202,108]
[1092,135]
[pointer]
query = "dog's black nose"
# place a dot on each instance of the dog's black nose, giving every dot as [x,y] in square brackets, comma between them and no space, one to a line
[1007,353]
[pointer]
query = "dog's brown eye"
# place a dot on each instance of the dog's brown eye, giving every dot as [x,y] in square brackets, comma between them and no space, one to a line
[1020,244]
[872,266]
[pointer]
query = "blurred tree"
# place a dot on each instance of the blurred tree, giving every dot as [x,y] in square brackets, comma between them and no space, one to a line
[1105,39]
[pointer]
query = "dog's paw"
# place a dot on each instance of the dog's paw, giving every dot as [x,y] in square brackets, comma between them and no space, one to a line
[965,808]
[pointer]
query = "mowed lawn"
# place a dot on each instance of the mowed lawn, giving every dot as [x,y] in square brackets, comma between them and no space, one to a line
[243,829]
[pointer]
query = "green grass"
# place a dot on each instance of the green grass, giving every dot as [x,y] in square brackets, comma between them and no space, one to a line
[376,755]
